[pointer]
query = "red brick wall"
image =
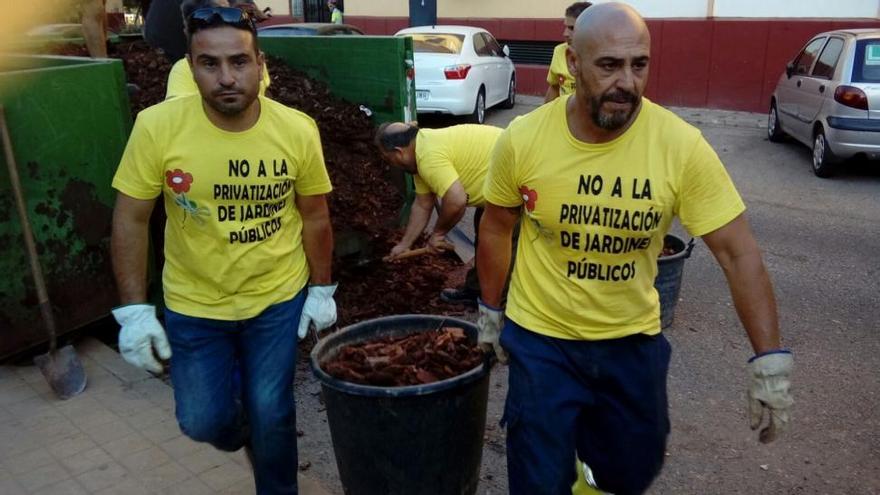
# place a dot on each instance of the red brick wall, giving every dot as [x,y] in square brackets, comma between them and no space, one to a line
[716,63]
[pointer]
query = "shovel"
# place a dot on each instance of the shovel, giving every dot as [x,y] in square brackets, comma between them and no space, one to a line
[61,367]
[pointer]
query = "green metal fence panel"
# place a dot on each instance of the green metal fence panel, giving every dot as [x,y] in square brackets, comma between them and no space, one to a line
[374,71]
[69,120]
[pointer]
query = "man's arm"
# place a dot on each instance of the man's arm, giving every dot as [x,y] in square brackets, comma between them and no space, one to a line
[452,208]
[418,219]
[552,93]
[736,250]
[93,20]
[128,246]
[317,235]
[494,251]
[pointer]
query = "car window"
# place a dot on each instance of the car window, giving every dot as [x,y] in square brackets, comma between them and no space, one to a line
[806,58]
[437,42]
[828,60]
[480,46]
[867,62]
[493,45]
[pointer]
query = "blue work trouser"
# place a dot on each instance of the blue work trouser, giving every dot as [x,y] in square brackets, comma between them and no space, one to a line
[233,386]
[604,400]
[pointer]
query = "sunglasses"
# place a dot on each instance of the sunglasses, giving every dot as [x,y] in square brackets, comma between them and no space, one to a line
[214,16]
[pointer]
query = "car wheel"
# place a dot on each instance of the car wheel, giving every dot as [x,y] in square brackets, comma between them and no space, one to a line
[823,159]
[511,94]
[479,115]
[774,131]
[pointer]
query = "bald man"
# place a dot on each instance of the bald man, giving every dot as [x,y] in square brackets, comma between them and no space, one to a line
[598,177]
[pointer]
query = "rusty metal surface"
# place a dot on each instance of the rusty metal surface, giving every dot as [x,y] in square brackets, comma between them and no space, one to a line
[69,123]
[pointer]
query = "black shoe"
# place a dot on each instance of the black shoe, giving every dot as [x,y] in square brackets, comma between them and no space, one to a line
[459,296]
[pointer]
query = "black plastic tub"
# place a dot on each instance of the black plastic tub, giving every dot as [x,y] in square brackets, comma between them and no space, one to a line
[669,273]
[421,439]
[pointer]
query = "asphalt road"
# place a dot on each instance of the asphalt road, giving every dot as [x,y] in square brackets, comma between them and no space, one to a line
[821,243]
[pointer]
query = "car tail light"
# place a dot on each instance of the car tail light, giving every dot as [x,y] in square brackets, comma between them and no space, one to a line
[410,73]
[457,71]
[851,97]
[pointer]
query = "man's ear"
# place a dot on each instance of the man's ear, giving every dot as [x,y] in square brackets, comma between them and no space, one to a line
[189,60]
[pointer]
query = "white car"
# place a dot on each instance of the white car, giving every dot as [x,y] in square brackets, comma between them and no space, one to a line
[460,70]
[828,98]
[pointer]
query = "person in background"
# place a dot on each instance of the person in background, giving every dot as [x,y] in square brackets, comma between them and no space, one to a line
[559,79]
[449,164]
[248,246]
[335,13]
[597,178]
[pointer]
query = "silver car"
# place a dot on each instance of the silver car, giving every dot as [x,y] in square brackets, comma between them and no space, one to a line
[829,98]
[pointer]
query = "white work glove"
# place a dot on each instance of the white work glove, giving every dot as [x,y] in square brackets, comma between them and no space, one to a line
[141,332]
[490,322]
[769,389]
[319,309]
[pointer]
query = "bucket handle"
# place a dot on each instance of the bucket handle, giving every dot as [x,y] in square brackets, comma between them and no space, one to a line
[689,248]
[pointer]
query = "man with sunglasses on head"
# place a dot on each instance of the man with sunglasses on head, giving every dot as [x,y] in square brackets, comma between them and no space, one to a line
[180,77]
[559,79]
[248,245]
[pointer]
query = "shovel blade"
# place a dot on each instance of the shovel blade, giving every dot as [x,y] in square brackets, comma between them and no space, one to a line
[463,246]
[64,372]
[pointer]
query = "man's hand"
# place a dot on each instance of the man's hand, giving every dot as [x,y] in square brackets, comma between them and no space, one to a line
[490,322]
[769,389]
[438,243]
[141,333]
[319,309]
[397,250]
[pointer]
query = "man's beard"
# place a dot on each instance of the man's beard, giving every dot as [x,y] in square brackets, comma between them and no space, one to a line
[614,120]
[230,109]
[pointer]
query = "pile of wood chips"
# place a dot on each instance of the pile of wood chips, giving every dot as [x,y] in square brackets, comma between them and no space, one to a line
[415,359]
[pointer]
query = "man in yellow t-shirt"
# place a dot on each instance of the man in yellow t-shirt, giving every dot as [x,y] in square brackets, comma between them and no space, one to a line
[596,178]
[447,163]
[559,79]
[335,13]
[247,248]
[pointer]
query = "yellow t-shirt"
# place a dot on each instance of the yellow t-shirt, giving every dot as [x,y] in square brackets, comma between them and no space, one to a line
[233,237]
[460,153]
[181,82]
[594,217]
[336,16]
[558,75]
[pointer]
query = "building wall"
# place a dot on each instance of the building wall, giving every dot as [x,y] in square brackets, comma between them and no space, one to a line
[730,61]
[545,9]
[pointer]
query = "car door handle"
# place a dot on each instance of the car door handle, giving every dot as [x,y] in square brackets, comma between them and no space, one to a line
[822,88]
[799,83]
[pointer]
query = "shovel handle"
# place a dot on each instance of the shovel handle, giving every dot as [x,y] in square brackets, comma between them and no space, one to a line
[30,245]
[408,254]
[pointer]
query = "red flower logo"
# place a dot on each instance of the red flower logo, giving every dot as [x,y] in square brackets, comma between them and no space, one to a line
[178,180]
[529,197]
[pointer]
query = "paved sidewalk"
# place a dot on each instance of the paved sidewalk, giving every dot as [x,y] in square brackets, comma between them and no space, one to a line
[117,437]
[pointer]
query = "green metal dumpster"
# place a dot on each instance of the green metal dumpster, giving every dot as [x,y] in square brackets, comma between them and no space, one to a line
[374,71]
[69,120]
